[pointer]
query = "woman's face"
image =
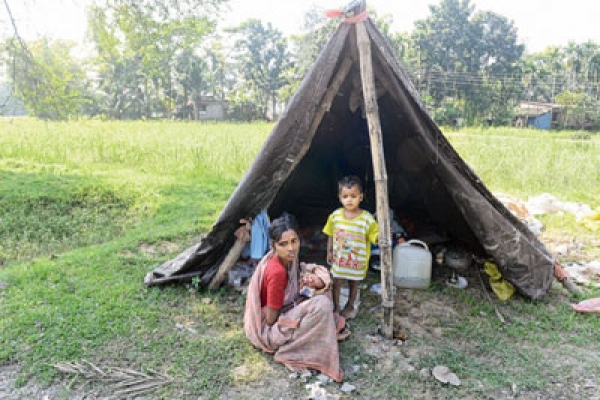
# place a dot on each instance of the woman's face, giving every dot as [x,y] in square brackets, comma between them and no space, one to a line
[287,246]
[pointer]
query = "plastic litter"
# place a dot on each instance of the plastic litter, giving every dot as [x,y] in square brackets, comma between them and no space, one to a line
[588,306]
[503,288]
[444,375]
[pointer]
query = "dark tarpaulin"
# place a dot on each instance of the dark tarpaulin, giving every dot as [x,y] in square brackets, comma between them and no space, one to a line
[428,182]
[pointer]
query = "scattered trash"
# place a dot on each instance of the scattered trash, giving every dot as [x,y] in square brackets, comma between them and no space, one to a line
[425,374]
[584,274]
[503,288]
[457,282]
[520,210]
[239,274]
[316,392]
[590,384]
[514,388]
[347,388]
[306,375]
[592,221]
[401,335]
[376,288]
[444,375]
[207,300]
[545,203]
[535,225]
[589,305]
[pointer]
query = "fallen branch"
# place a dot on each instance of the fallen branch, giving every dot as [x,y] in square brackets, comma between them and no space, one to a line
[122,381]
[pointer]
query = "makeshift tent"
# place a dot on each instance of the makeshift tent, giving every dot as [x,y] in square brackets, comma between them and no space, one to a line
[323,135]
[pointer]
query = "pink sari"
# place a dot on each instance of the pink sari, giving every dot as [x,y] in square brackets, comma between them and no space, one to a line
[303,337]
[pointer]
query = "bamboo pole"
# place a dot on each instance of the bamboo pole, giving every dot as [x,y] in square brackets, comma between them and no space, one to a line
[380,177]
[228,263]
[242,237]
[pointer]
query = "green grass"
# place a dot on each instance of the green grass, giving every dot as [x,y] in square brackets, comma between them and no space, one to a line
[88,208]
[527,162]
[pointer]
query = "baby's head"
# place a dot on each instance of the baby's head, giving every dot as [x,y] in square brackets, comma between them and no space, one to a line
[312,281]
[317,278]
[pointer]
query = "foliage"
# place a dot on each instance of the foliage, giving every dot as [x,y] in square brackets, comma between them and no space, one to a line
[167,59]
[460,55]
[140,46]
[263,62]
[50,82]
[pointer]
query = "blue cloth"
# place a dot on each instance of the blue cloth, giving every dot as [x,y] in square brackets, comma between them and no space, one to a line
[259,237]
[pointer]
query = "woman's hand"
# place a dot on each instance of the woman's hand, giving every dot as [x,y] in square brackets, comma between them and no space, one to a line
[271,315]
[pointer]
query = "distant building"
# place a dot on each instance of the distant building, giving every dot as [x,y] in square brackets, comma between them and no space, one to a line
[204,108]
[538,115]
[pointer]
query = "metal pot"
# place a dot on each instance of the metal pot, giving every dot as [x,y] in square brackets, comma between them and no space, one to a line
[457,258]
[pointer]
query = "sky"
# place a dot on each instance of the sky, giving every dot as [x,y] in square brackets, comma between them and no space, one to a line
[540,23]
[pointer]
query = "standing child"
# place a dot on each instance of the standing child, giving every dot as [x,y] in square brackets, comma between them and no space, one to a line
[351,231]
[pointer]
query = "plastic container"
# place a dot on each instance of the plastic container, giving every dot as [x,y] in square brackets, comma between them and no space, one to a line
[412,265]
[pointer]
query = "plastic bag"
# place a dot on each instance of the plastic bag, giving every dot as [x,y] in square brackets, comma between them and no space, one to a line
[589,305]
[503,288]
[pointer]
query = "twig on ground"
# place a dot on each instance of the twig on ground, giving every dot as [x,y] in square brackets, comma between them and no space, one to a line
[123,381]
[500,317]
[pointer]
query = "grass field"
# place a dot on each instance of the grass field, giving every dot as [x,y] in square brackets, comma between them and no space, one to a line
[87,208]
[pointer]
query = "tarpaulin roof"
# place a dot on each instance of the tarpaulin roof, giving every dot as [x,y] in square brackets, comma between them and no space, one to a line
[323,135]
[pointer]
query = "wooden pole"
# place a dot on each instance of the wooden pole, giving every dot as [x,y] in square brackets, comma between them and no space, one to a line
[229,261]
[380,177]
[242,237]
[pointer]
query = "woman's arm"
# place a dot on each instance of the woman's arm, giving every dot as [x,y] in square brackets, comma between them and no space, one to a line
[271,315]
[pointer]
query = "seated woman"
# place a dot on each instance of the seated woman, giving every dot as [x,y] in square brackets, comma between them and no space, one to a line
[302,336]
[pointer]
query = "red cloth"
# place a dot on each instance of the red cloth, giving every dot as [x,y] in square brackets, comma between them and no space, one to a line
[275,280]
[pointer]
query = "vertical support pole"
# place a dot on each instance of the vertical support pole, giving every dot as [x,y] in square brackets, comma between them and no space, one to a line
[380,177]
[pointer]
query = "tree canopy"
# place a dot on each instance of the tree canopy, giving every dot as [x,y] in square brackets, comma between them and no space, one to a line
[158,59]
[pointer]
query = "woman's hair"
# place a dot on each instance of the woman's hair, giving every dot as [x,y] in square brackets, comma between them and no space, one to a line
[348,182]
[282,224]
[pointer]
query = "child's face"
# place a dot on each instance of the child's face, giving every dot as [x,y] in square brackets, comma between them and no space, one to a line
[313,281]
[350,197]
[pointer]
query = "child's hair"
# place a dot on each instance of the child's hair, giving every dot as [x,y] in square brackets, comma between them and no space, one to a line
[348,182]
[282,224]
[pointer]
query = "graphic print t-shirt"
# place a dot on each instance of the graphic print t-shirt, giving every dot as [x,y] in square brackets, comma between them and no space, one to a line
[352,240]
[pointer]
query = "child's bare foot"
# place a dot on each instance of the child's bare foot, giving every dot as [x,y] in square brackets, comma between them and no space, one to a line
[348,312]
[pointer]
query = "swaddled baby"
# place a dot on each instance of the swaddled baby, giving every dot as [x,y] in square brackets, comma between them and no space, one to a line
[315,280]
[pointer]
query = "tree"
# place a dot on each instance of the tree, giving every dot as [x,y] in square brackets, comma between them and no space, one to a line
[144,40]
[263,62]
[467,56]
[45,76]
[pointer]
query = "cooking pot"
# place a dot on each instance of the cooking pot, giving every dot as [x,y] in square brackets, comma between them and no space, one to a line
[457,258]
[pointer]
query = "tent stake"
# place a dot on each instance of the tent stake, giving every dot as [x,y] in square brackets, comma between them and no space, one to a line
[380,178]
